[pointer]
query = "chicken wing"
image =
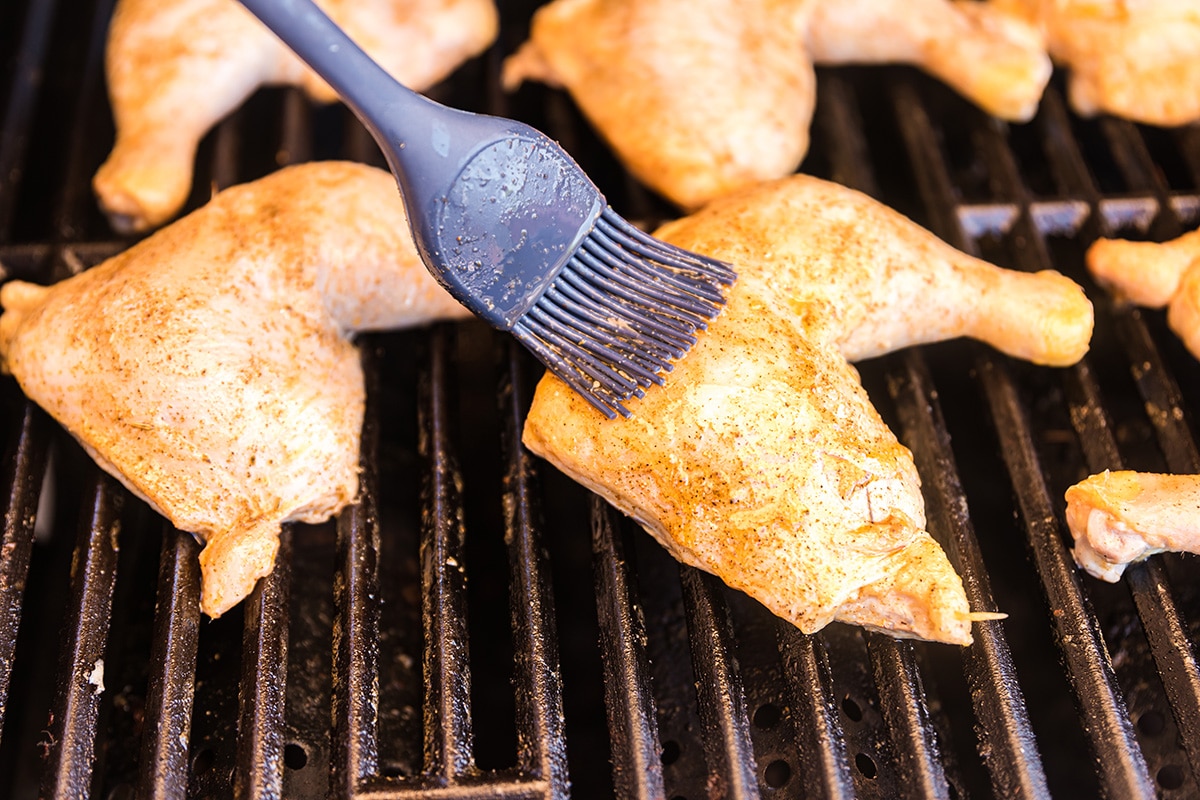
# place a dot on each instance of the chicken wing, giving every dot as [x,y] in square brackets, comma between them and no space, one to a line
[762,459]
[209,369]
[176,68]
[701,99]
[1138,59]
[1118,518]
[1155,275]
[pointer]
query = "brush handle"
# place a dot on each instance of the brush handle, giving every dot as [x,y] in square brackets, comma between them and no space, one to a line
[426,143]
[495,207]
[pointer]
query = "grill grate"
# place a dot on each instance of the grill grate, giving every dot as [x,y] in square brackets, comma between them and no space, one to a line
[479,626]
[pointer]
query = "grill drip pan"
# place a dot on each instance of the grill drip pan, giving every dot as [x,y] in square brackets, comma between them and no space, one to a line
[478,626]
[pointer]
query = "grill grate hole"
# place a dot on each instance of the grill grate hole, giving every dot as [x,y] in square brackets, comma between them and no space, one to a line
[777,774]
[295,756]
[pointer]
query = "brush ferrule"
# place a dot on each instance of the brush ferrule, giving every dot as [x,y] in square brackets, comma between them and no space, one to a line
[516,214]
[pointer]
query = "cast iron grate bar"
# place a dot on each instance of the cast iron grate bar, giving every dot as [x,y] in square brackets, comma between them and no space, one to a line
[170,685]
[628,701]
[1140,174]
[1121,765]
[719,692]
[71,751]
[1007,744]
[258,773]
[448,735]
[898,679]
[24,470]
[541,751]
[824,764]
[915,746]
[355,690]
[75,200]
[1160,394]
[1147,580]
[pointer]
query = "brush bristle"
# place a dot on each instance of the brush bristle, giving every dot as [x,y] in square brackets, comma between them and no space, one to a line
[620,311]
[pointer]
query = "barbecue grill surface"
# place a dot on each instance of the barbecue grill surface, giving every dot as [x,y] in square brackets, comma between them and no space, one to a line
[479,626]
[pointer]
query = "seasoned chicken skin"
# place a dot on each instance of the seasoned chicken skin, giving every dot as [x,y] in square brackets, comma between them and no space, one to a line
[1138,59]
[1118,518]
[700,99]
[176,68]
[1155,275]
[762,460]
[209,369]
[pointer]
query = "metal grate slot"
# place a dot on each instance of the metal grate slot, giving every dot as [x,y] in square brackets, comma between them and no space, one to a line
[541,749]
[355,691]
[22,91]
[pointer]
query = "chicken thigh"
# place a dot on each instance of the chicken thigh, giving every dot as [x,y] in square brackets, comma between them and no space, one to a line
[209,369]
[701,99]
[1155,275]
[762,459]
[1138,59]
[1121,517]
[176,68]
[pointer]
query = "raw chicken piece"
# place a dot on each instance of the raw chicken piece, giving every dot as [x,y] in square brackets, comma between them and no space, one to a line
[1155,274]
[993,58]
[762,460]
[701,99]
[1138,59]
[175,68]
[1121,517]
[208,367]
[697,98]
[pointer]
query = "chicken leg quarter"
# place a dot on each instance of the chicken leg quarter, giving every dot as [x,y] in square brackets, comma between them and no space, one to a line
[697,98]
[209,369]
[762,460]
[176,68]
[1138,59]
[700,99]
